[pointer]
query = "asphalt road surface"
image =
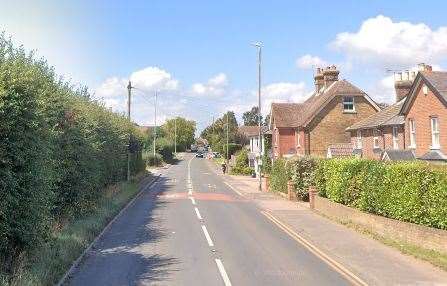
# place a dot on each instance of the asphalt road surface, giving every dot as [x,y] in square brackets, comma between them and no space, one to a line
[190,228]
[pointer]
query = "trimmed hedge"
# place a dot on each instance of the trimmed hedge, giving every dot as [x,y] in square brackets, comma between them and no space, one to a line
[280,175]
[413,192]
[58,150]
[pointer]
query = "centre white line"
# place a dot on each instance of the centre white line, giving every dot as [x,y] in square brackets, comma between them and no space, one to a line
[207,236]
[198,213]
[192,200]
[223,273]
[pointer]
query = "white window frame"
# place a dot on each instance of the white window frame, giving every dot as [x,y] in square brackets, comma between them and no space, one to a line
[412,128]
[346,103]
[395,132]
[435,136]
[359,139]
[376,143]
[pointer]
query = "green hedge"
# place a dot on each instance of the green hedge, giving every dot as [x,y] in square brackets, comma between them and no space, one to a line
[58,149]
[413,192]
[408,191]
[280,175]
[241,166]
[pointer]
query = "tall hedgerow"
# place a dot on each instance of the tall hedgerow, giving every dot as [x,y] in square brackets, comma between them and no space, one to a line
[58,149]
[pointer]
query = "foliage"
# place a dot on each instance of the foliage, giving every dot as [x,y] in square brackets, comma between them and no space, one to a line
[185,132]
[216,133]
[266,160]
[58,150]
[165,148]
[153,160]
[251,117]
[302,173]
[412,192]
[241,166]
[280,175]
[232,149]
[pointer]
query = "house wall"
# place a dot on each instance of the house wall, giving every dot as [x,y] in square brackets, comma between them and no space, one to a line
[385,141]
[422,109]
[300,142]
[283,141]
[329,126]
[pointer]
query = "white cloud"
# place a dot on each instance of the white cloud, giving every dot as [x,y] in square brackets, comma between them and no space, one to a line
[381,41]
[215,86]
[153,78]
[310,62]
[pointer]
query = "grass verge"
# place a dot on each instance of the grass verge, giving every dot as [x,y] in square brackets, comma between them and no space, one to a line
[436,258]
[47,264]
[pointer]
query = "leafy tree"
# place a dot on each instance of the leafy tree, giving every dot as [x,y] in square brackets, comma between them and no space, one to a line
[185,132]
[250,117]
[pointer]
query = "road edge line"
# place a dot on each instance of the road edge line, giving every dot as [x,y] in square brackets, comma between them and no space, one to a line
[234,189]
[76,263]
[222,271]
[354,279]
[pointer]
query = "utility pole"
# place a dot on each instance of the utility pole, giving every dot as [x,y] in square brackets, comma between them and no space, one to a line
[175,136]
[228,127]
[155,121]
[129,89]
[259,47]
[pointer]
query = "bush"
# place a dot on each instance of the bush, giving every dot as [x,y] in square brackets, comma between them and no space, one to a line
[232,149]
[302,174]
[407,191]
[58,150]
[280,175]
[154,160]
[241,166]
[165,149]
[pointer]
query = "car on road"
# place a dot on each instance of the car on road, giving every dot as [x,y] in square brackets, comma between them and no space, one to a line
[199,155]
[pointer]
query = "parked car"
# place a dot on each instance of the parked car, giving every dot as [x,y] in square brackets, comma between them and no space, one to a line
[199,155]
[216,155]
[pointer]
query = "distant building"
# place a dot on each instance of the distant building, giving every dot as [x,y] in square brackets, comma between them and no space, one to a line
[311,127]
[251,136]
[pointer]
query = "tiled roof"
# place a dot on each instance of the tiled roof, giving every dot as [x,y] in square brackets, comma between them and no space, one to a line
[438,80]
[250,131]
[340,150]
[300,114]
[287,114]
[385,117]
[398,155]
[434,155]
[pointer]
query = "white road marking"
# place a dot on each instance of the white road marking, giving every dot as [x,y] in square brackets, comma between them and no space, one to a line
[198,213]
[190,192]
[192,200]
[231,187]
[207,236]
[223,273]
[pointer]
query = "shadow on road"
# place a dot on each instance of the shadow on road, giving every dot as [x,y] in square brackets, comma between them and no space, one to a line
[127,253]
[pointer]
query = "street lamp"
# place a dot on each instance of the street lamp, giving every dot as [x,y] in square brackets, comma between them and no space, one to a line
[258,46]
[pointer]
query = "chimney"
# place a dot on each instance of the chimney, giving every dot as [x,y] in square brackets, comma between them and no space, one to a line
[402,84]
[319,80]
[425,67]
[330,75]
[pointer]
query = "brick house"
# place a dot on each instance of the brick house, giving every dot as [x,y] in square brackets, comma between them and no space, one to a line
[410,128]
[311,127]
[425,112]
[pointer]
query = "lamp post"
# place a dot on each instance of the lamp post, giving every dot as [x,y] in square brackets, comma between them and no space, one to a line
[258,46]
[155,121]
[129,91]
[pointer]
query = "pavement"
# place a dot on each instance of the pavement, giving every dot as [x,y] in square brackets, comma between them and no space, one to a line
[195,226]
[368,259]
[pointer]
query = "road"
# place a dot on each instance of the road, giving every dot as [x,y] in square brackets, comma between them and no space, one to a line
[191,228]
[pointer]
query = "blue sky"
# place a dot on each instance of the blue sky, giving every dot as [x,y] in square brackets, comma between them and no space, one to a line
[198,53]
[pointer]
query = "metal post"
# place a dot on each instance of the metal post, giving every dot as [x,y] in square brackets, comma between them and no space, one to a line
[155,121]
[228,127]
[129,88]
[259,47]
[175,136]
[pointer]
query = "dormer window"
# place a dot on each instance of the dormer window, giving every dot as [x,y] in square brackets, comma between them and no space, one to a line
[348,104]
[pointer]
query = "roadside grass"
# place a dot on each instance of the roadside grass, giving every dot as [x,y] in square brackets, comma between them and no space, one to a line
[434,257]
[48,264]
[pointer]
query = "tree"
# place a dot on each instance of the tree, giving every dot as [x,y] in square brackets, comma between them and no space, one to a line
[250,117]
[185,132]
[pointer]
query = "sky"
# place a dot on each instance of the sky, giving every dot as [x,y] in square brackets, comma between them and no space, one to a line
[199,56]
